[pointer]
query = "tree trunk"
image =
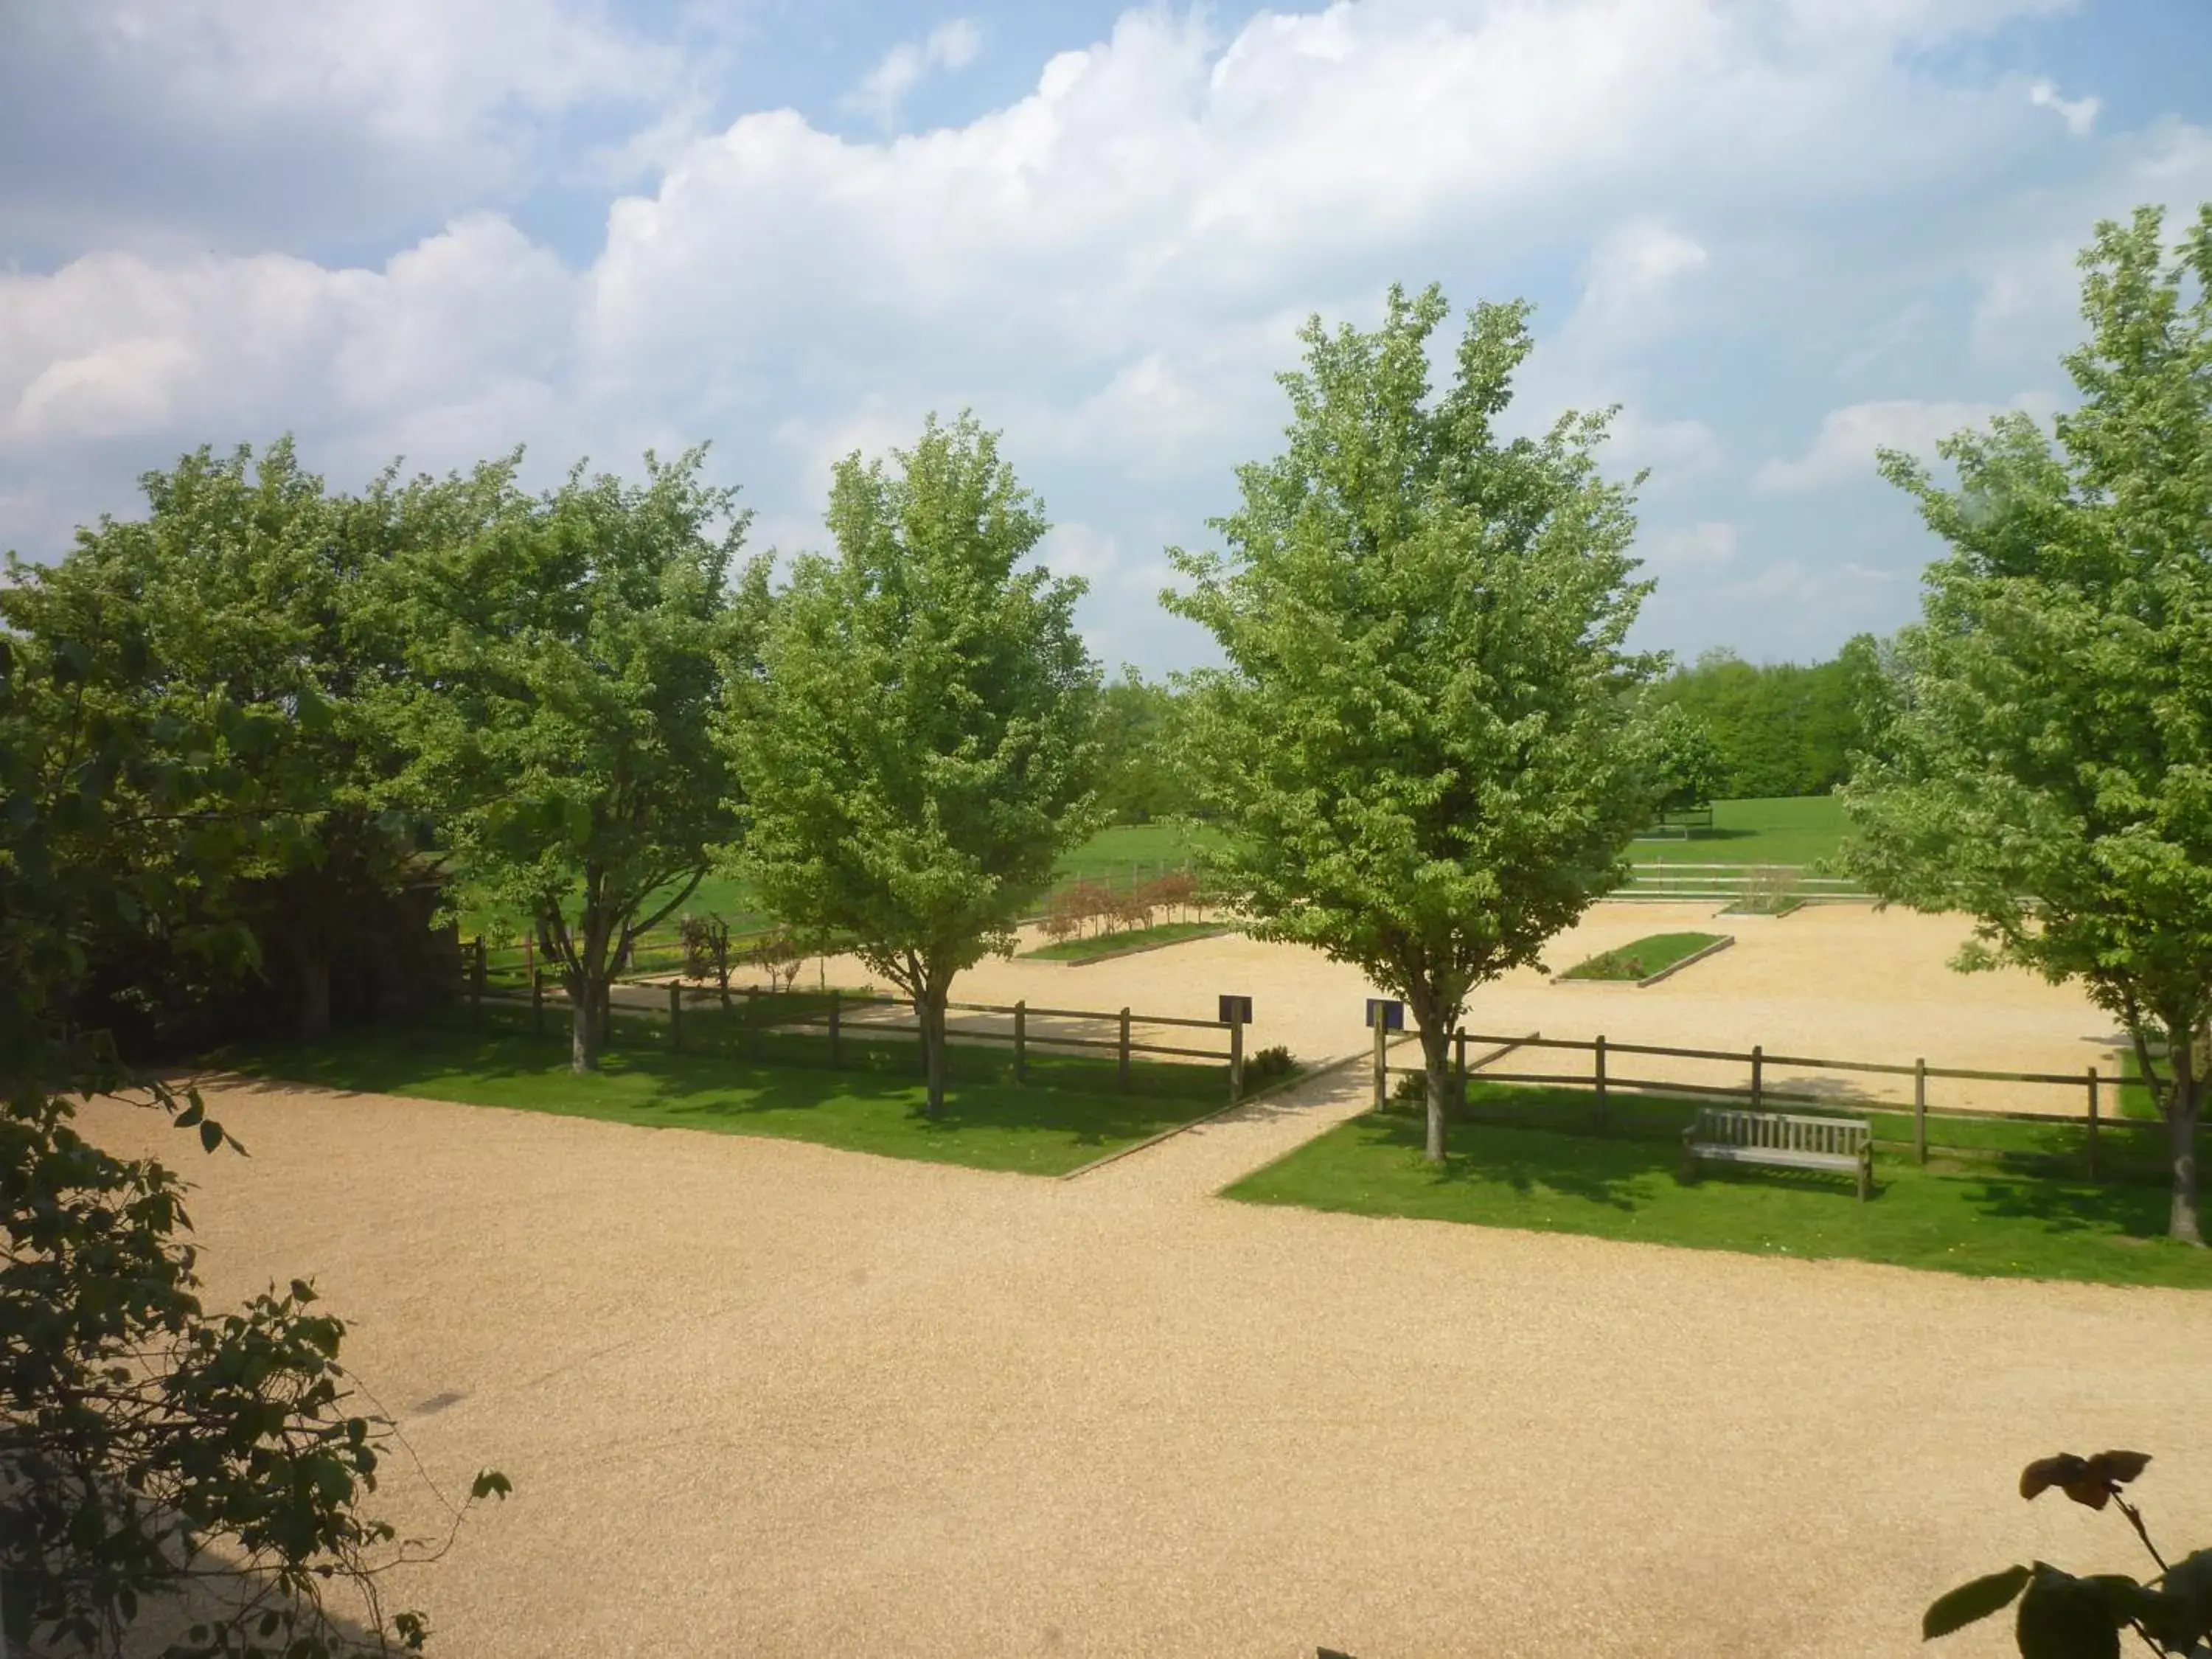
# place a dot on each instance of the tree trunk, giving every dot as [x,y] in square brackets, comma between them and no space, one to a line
[314,996]
[2181,1124]
[933,1047]
[583,1025]
[1436,1055]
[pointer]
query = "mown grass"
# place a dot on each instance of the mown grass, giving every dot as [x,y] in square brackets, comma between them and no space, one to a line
[1641,958]
[768,1082]
[2013,1205]
[1802,829]
[1100,946]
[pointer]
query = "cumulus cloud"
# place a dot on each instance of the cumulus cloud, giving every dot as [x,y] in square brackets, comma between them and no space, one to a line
[2080,114]
[1703,546]
[1110,267]
[951,45]
[1844,451]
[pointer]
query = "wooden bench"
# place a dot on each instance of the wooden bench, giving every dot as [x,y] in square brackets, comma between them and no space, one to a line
[1729,1135]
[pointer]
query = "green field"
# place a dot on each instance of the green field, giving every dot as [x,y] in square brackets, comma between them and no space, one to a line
[1948,1217]
[1642,959]
[1787,829]
[1068,1114]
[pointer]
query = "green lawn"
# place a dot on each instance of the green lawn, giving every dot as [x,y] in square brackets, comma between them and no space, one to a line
[1785,830]
[1643,958]
[1102,946]
[1068,1114]
[1952,1215]
[1127,851]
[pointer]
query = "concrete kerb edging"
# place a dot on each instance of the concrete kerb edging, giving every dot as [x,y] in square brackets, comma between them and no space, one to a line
[1293,1081]
[1672,967]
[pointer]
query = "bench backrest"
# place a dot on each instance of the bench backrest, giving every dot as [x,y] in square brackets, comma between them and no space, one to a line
[1784,1131]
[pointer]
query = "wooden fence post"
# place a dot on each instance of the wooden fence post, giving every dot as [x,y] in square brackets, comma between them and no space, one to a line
[833,1031]
[538,1002]
[1598,1048]
[752,1021]
[1125,1049]
[1920,1111]
[1757,1066]
[675,1016]
[476,981]
[1237,1058]
[1382,1060]
[2093,1123]
[1021,1041]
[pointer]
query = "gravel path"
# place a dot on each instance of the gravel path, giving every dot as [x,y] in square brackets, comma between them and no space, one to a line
[1844,981]
[760,1398]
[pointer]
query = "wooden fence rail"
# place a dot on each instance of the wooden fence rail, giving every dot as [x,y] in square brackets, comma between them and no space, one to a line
[832,1017]
[1759,1092]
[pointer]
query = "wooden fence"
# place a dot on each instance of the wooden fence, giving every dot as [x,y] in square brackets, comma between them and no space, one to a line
[841,1015]
[1726,882]
[2086,1086]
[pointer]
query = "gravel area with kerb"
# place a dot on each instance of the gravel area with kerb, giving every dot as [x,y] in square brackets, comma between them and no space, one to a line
[760,1398]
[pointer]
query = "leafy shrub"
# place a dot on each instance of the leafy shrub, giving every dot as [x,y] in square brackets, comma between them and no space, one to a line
[1267,1064]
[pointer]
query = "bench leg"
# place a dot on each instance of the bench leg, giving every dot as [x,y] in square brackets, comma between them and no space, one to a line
[1866,1176]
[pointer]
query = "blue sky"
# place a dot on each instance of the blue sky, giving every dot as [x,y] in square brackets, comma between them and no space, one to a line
[1775,233]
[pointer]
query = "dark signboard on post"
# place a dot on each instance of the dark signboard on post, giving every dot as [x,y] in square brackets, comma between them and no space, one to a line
[1387,1012]
[1236,1011]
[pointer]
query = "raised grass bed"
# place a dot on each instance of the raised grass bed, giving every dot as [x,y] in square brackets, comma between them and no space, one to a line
[1647,961]
[1101,946]
[1999,1214]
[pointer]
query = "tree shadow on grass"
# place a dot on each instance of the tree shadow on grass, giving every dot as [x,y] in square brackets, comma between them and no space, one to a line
[1604,1172]
[2124,1212]
[724,1089]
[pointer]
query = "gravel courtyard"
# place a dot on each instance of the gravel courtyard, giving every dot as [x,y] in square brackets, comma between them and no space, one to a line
[760,1398]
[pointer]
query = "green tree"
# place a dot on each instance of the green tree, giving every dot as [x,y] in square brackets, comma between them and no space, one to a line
[1690,764]
[1777,728]
[1427,743]
[161,1465]
[1138,781]
[917,750]
[235,587]
[2048,767]
[565,656]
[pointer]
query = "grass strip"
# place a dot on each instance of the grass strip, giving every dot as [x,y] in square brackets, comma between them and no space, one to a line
[769,1083]
[1100,946]
[1952,1216]
[1641,958]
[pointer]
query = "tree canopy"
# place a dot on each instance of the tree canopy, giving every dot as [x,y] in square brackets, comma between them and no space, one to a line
[2046,763]
[916,748]
[565,656]
[1428,744]
[1777,728]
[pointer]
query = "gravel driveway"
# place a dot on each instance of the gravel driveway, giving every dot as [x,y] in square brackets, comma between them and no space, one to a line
[758,1398]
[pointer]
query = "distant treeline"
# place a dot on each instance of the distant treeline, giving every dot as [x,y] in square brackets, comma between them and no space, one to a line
[1778,728]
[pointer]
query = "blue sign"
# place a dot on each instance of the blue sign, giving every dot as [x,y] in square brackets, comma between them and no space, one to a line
[1390,1014]
[1236,1011]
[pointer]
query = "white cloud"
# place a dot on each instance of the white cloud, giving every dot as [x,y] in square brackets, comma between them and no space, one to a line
[1707,545]
[2080,114]
[422,71]
[1111,268]
[1844,451]
[951,45]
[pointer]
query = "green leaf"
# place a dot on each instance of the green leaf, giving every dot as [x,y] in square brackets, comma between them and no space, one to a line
[1976,1599]
[211,1134]
[192,1114]
[490,1484]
